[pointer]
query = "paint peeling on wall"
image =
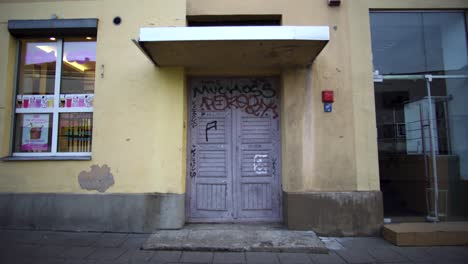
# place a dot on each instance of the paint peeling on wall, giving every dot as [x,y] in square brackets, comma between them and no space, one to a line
[98,178]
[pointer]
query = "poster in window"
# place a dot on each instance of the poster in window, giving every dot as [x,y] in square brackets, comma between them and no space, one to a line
[35,132]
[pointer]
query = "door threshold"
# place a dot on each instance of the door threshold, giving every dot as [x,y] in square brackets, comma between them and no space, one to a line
[236,226]
[236,238]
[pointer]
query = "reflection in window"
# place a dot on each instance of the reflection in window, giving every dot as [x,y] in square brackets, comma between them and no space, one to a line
[79,66]
[419,42]
[403,117]
[37,67]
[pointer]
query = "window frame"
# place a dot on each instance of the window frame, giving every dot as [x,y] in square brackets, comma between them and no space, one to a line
[56,110]
[462,11]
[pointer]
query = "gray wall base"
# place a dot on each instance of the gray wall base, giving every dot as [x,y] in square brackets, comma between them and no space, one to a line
[334,213]
[139,213]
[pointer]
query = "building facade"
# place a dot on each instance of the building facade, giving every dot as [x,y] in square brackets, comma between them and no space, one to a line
[137,116]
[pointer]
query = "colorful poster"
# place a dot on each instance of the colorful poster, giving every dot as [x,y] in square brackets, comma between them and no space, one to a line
[34,101]
[76,100]
[35,132]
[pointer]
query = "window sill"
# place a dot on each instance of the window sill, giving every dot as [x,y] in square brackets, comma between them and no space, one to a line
[44,158]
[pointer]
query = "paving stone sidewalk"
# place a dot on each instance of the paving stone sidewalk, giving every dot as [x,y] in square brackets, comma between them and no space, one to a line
[17,247]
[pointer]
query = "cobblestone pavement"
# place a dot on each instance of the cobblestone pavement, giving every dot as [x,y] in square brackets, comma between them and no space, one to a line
[72,247]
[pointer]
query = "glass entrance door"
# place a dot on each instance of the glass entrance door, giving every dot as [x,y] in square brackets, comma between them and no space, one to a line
[422,123]
[421,96]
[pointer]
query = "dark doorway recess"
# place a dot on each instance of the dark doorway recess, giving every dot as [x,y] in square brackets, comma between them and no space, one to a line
[233,20]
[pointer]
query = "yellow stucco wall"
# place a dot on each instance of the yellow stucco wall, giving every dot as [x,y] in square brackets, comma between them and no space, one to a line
[327,151]
[139,108]
[319,150]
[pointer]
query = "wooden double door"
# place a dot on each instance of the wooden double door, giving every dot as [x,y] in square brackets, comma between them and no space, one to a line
[234,153]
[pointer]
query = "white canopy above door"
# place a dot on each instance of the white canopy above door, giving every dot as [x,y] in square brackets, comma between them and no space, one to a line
[253,46]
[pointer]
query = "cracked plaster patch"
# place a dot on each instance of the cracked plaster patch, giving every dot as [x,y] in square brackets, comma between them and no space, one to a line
[98,178]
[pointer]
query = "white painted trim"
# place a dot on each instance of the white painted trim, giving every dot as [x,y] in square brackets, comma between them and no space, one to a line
[52,110]
[34,110]
[55,116]
[50,154]
[75,110]
[161,34]
[55,111]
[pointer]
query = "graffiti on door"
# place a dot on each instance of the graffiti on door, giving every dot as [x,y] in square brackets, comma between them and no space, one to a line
[233,164]
[194,116]
[260,164]
[193,161]
[251,104]
[256,97]
[209,126]
[273,166]
[257,87]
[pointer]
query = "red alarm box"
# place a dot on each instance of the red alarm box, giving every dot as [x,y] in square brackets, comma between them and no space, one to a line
[327,97]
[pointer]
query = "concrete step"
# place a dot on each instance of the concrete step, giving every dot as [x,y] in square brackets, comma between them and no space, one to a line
[427,234]
[236,238]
